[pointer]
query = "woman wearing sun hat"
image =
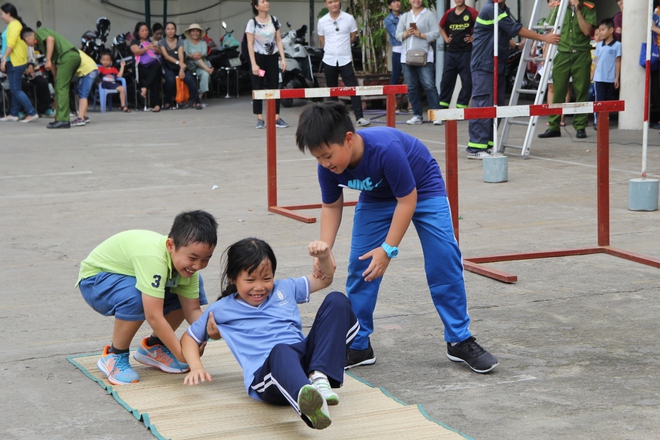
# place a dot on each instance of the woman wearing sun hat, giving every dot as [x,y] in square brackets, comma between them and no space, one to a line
[196,49]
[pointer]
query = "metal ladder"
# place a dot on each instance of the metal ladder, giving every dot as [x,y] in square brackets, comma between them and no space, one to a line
[558,13]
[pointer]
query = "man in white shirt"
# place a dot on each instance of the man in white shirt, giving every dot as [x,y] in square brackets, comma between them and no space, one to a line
[337,30]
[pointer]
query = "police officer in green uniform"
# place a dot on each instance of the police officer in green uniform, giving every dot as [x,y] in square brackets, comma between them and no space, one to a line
[63,59]
[573,59]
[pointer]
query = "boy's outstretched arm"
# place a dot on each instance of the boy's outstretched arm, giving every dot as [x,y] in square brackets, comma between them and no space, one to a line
[191,351]
[326,264]
[403,214]
[331,214]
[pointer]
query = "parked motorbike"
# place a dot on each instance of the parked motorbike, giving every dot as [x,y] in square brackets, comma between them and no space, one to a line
[228,39]
[93,42]
[122,52]
[227,55]
[299,71]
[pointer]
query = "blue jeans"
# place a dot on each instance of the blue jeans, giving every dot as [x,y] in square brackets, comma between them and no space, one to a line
[285,370]
[85,84]
[396,67]
[424,76]
[18,97]
[443,265]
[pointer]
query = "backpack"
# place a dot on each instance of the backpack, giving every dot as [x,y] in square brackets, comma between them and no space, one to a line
[245,55]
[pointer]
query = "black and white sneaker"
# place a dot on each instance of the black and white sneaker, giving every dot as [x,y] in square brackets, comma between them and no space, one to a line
[356,358]
[472,354]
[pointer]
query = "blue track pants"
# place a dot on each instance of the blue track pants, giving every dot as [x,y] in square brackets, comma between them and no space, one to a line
[287,367]
[442,262]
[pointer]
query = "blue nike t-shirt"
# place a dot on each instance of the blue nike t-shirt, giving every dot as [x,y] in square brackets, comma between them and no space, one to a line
[392,165]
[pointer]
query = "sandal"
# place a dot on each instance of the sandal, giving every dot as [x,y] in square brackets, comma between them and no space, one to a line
[167,107]
[199,106]
[154,109]
[125,109]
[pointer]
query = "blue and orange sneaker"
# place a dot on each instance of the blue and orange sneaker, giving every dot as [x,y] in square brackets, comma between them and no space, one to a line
[161,357]
[117,368]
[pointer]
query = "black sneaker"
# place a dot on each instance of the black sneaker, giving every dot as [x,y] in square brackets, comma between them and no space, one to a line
[472,354]
[355,358]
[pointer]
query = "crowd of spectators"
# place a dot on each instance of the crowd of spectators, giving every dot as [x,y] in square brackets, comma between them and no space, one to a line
[61,78]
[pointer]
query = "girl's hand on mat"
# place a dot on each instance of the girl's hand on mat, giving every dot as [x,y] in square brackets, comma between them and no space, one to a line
[196,376]
[378,265]
[212,328]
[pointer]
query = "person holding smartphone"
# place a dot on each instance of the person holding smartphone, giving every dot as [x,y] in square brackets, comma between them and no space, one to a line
[417,29]
[264,42]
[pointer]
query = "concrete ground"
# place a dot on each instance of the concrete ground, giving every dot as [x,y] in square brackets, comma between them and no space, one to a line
[576,336]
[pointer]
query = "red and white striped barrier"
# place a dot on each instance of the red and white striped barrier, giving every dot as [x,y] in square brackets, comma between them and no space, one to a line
[330,92]
[270,96]
[572,108]
[476,264]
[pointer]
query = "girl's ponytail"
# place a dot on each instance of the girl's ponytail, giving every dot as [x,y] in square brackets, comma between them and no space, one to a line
[229,290]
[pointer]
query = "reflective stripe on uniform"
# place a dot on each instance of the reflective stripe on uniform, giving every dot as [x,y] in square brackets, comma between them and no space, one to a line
[489,22]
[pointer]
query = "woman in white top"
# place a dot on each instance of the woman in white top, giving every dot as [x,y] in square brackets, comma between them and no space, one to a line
[417,29]
[264,42]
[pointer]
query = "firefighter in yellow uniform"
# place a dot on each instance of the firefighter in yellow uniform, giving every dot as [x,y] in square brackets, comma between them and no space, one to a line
[573,60]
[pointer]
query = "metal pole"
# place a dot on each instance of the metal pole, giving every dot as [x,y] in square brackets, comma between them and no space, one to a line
[647,83]
[603,178]
[164,12]
[147,13]
[451,172]
[391,110]
[496,10]
[311,22]
[271,153]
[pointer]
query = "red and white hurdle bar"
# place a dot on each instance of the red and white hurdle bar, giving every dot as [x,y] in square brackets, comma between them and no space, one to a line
[514,111]
[476,264]
[389,91]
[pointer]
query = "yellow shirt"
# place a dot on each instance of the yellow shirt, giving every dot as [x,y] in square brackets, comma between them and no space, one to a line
[87,64]
[18,56]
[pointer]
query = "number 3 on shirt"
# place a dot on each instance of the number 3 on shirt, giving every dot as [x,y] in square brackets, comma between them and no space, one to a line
[156,282]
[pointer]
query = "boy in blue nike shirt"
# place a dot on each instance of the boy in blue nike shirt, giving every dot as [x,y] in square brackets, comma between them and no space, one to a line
[399,182]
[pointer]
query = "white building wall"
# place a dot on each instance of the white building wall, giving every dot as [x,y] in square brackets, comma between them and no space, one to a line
[72,18]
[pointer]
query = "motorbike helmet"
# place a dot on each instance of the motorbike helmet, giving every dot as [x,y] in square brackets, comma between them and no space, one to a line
[102,27]
[88,36]
[119,39]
